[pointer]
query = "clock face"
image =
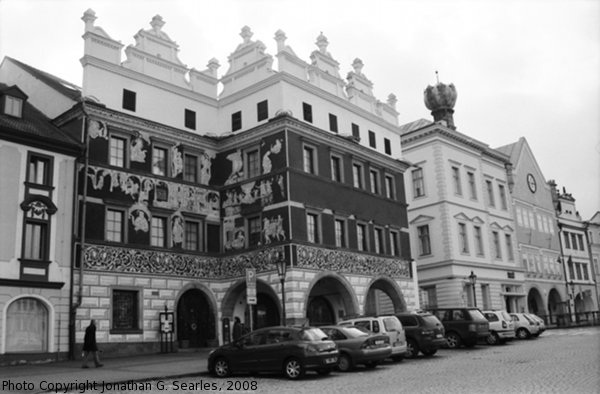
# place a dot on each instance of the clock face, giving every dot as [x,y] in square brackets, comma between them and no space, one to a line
[531,183]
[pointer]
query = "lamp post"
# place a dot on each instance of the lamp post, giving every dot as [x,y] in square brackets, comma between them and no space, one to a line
[473,280]
[280,263]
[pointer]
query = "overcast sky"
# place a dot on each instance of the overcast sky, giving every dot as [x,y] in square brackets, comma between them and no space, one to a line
[521,68]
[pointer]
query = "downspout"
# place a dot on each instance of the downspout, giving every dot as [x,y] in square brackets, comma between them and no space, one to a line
[82,220]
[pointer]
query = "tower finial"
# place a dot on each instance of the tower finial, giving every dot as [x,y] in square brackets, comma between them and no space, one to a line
[437,76]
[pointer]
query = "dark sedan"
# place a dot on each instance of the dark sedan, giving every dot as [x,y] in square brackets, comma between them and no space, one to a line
[288,350]
[358,347]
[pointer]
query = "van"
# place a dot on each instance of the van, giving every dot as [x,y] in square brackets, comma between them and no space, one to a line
[388,325]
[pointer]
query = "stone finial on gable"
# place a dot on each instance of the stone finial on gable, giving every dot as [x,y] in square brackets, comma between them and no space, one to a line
[322,44]
[213,65]
[392,100]
[157,23]
[246,34]
[358,65]
[89,17]
[280,39]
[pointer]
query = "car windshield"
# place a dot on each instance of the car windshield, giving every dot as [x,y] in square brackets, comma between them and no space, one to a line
[392,324]
[313,334]
[476,314]
[355,332]
[529,319]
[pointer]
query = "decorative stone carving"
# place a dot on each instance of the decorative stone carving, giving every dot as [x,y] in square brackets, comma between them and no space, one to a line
[97,129]
[273,229]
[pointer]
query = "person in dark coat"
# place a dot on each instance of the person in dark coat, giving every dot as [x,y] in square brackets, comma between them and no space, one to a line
[90,346]
[237,329]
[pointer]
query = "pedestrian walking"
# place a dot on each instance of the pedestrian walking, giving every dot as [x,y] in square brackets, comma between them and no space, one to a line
[237,329]
[90,346]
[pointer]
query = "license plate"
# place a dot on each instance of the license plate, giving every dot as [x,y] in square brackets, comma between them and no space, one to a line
[330,360]
[379,342]
[438,335]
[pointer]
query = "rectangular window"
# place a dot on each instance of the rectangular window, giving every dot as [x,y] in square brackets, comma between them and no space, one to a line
[158,232]
[336,168]
[424,242]
[13,106]
[116,155]
[581,244]
[355,131]
[379,243]
[567,241]
[254,229]
[333,125]
[472,185]
[114,225]
[456,180]
[125,310]
[463,238]
[394,243]
[190,168]
[236,121]
[159,161]
[418,183]
[312,227]
[192,236]
[361,236]
[307,112]
[478,240]
[571,269]
[586,275]
[387,145]
[340,233]
[35,245]
[502,191]
[357,175]
[390,190]
[374,179]
[372,142]
[574,241]
[509,248]
[129,100]
[309,159]
[490,193]
[497,248]
[253,163]
[262,110]
[39,170]
[190,119]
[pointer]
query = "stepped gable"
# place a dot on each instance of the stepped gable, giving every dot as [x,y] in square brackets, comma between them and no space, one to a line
[324,70]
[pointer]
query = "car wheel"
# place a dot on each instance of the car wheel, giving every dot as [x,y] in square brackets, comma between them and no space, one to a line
[344,363]
[522,333]
[429,352]
[412,349]
[453,340]
[492,339]
[221,368]
[293,368]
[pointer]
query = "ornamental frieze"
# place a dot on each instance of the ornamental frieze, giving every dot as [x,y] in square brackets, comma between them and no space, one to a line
[142,261]
[352,263]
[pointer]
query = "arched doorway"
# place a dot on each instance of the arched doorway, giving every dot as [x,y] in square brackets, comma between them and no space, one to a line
[195,320]
[264,313]
[27,323]
[329,300]
[535,304]
[384,297]
[556,306]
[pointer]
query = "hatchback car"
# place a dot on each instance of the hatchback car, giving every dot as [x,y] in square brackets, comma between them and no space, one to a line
[357,346]
[502,328]
[388,325]
[463,325]
[525,327]
[424,333]
[289,350]
[540,323]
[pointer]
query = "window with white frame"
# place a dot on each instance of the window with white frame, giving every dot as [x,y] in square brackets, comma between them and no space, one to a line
[252,162]
[394,243]
[160,158]
[424,241]
[502,192]
[158,231]
[336,168]
[13,106]
[490,193]
[374,179]
[254,231]
[509,247]
[478,240]
[361,236]
[193,238]
[390,189]
[115,225]
[456,180]
[309,155]
[463,238]
[379,242]
[340,233]
[312,227]
[116,151]
[497,247]
[357,175]
[418,183]
[472,185]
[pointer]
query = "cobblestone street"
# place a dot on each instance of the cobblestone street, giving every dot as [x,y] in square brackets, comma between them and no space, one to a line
[559,361]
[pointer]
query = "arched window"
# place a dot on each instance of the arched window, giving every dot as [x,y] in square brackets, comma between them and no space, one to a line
[27,326]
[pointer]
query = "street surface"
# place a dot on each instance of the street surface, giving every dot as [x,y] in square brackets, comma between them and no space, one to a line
[559,361]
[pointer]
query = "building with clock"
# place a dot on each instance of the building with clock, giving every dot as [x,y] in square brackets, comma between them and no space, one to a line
[462,225]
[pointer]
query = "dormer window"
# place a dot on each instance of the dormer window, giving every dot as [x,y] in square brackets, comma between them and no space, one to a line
[13,106]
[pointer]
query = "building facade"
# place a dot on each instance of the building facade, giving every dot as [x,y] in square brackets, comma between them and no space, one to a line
[462,229]
[37,170]
[593,236]
[193,184]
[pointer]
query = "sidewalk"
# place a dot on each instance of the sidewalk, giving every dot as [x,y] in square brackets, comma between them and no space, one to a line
[37,378]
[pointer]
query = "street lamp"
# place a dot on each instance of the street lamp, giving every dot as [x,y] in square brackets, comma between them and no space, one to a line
[280,263]
[473,280]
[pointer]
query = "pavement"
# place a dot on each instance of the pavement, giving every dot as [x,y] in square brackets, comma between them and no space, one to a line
[57,376]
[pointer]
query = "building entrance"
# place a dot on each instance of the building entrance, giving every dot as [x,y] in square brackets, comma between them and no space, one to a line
[195,320]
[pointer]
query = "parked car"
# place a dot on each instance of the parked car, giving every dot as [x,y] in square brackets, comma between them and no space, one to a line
[424,333]
[525,327]
[357,346]
[540,323]
[289,350]
[388,325]
[502,328]
[463,325]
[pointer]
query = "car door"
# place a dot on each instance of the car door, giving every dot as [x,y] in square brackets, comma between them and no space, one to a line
[250,352]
